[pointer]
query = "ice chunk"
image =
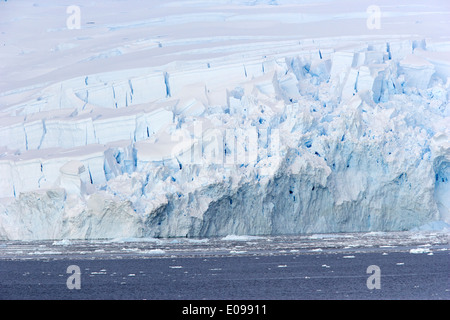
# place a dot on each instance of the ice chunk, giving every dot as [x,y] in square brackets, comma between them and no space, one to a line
[70,176]
[400,49]
[233,237]
[74,133]
[349,88]
[148,88]
[341,64]
[320,68]
[7,188]
[13,136]
[373,57]
[417,71]
[419,250]
[289,87]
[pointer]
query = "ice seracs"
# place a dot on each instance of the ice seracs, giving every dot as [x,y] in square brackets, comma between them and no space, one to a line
[417,71]
[291,137]
[70,179]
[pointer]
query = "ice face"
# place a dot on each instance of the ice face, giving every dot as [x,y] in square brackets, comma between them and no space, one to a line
[323,135]
[417,71]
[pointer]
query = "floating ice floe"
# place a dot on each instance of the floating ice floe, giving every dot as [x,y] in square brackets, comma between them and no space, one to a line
[419,250]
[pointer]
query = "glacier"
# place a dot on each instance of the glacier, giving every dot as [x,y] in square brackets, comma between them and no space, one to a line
[273,137]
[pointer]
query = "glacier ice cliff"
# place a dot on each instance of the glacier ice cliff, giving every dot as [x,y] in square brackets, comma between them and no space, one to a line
[305,141]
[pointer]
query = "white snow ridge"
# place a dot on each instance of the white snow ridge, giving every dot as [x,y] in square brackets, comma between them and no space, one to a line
[234,118]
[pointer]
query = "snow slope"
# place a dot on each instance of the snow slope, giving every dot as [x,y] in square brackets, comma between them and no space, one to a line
[193,118]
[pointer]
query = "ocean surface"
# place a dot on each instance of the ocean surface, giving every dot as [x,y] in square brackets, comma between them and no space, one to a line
[321,266]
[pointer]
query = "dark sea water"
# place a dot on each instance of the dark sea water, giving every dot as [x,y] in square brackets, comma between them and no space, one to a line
[332,266]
